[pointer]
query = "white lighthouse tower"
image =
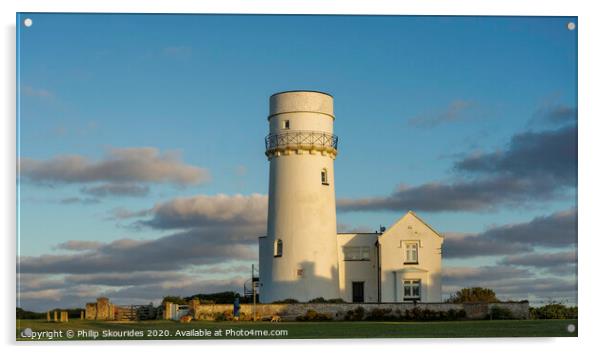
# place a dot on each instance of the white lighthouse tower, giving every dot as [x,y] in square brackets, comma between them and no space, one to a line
[298,257]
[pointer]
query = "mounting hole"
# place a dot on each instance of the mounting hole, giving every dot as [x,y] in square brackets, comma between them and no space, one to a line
[571,328]
[28,22]
[571,26]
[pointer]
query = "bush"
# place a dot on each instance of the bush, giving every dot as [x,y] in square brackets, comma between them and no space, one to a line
[477,294]
[312,315]
[553,311]
[321,300]
[500,313]
[356,314]
[378,314]
[286,301]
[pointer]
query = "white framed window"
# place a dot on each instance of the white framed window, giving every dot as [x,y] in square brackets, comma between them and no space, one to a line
[411,253]
[359,253]
[411,289]
[324,176]
[278,248]
[286,124]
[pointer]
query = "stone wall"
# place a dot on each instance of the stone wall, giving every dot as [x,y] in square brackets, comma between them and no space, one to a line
[102,309]
[519,310]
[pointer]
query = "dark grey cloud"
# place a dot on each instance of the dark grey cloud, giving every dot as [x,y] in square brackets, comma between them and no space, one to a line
[116,189]
[551,155]
[475,275]
[75,291]
[121,165]
[205,211]
[564,262]
[469,195]
[457,110]
[556,230]
[535,167]
[75,245]
[209,245]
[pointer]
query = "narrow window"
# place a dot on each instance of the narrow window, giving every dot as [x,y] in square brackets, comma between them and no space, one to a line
[411,290]
[411,253]
[278,248]
[324,177]
[286,124]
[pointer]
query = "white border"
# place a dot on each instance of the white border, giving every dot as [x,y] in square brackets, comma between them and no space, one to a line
[589,163]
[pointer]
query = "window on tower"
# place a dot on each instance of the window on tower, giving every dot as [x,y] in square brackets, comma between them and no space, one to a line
[278,248]
[324,177]
[286,124]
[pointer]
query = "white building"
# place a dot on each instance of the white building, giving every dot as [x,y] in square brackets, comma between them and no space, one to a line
[302,257]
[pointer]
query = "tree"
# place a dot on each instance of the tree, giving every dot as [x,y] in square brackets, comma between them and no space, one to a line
[174,300]
[477,294]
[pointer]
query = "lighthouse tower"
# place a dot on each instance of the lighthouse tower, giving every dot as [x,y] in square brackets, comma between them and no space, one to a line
[298,257]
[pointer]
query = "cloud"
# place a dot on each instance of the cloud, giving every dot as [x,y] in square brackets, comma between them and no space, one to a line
[554,230]
[204,211]
[456,111]
[74,245]
[475,275]
[559,263]
[126,189]
[121,165]
[78,200]
[75,291]
[554,114]
[471,195]
[510,282]
[551,155]
[36,92]
[536,166]
[173,252]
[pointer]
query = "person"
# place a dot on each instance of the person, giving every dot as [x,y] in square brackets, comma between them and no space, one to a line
[236,311]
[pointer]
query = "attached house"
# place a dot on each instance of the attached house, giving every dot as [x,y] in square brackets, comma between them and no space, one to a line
[401,264]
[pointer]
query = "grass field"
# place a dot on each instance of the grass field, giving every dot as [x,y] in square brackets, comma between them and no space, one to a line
[100,330]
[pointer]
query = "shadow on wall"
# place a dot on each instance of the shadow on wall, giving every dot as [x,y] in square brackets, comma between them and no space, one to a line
[308,285]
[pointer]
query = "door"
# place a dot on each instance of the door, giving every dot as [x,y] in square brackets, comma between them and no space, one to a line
[357,291]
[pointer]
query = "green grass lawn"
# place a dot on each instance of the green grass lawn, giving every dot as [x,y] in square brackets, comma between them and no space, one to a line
[169,330]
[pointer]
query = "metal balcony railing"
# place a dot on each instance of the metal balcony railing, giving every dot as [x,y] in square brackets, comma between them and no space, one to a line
[301,138]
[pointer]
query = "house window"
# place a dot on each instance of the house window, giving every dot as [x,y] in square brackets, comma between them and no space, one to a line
[356,253]
[411,253]
[286,124]
[324,176]
[278,248]
[411,289]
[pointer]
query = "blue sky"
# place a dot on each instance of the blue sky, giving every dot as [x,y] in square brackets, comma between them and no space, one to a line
[414,97]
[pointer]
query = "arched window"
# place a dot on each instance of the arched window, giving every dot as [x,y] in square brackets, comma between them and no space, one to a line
[324,176]
[278,248]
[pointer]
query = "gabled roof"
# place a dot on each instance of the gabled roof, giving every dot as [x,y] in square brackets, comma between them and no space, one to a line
[418,218]
[425,223]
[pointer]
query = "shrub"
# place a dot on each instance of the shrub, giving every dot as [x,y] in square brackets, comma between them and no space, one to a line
[378,314]
[357,314]
[477,294]
[500,313]
[553,310]
[337,300]
[312,315]
[286,301]
[318,300]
